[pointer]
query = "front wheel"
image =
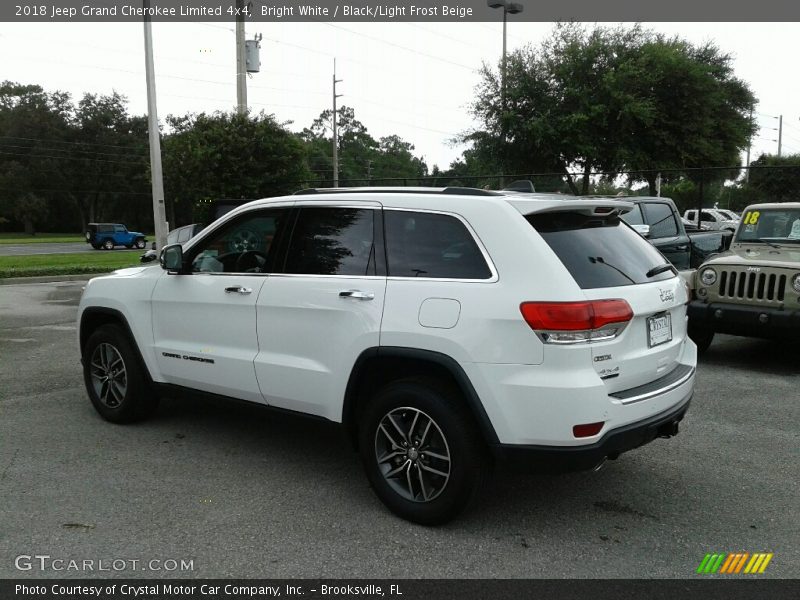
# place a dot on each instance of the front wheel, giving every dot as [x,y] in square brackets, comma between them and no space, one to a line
[701,336]
[140,243]
[114,377]
[108,245]
[422,452]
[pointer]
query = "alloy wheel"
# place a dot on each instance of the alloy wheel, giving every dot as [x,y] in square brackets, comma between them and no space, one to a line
[412,454]
[109,377]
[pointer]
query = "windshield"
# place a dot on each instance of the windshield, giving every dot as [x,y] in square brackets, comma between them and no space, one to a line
[601,251]
[770,225]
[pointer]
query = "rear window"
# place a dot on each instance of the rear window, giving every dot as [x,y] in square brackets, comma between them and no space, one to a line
[599,252]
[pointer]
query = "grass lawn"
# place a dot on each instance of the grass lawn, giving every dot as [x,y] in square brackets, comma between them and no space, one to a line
[40,238]
[66,264]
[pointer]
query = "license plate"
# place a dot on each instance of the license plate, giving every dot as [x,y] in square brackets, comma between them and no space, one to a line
[659,329]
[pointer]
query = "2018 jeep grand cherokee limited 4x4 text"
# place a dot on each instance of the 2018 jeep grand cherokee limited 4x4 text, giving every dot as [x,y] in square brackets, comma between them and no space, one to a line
[445,329]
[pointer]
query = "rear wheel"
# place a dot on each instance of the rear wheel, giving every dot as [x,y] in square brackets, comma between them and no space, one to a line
[701,336]
[422,452]
[108,245]
[114,378]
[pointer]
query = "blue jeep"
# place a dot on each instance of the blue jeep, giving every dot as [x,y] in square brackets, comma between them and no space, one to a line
[109,235]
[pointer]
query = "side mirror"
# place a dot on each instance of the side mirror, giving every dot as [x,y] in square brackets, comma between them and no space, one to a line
[172,258]
[642,230]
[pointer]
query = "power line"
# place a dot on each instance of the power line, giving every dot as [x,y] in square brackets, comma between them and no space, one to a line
[118,162]
[401,47]
[52,141]
[49,149]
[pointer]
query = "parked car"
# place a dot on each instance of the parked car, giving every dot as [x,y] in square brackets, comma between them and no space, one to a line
[656,218]
[180,235]
[753,289]
[109,235]
[713,218]
[444,328]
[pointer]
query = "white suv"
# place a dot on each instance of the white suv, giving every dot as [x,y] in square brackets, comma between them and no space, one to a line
[444,328]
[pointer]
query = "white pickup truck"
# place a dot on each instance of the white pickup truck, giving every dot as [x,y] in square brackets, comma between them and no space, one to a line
[713,218]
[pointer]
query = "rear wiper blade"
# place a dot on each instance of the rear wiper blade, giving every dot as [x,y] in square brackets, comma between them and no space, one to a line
[660,269]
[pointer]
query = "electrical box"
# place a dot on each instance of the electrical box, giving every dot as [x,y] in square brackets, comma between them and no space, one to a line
[252,54]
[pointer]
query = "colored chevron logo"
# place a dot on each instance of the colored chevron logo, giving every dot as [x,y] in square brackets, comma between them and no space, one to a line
[734,563]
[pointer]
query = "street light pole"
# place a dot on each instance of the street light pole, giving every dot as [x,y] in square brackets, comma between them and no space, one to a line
[508,8]
[157,180]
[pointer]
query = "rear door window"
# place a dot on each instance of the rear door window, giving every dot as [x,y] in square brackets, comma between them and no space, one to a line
[599,252]
[332,241]
[421,244]
[634,217]
[661,220]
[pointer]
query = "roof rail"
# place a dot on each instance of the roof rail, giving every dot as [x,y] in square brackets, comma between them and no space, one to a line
[460,191]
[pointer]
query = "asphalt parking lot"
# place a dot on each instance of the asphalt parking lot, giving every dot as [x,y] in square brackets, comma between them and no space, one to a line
[242,492]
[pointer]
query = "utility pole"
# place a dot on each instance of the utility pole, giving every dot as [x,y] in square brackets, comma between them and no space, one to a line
[749,146]
[157,180]
[369,171]
[780,134]
[335,130]
[241,61]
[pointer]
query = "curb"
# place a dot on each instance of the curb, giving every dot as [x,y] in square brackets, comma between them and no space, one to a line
[49,278]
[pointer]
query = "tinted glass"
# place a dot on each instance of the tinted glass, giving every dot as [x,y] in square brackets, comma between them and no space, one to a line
[431,245]
[706,216]
[634,217]
[172,236]
[661,220]
[184,233]
[332,241]
[242,246]
[599,252]
[776,226]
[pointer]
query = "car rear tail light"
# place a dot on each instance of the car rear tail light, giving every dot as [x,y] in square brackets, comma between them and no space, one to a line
[577,322]
[587,429]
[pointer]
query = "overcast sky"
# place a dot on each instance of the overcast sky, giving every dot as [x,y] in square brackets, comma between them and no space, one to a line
[415,80]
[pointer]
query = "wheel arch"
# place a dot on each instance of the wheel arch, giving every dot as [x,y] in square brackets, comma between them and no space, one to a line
[379,365]
[93,317]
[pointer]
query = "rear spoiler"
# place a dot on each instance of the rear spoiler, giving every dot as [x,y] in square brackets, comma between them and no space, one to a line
[590,207]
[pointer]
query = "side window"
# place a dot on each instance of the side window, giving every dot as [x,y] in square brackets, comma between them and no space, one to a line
[634,217]
[705,216]
[119,229]
[332,241]
[431,245]
[662,221]
[243,246]
[184,233]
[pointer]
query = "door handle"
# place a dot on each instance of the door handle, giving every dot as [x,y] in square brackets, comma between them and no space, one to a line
[358,294]
[238,289]
[683,247]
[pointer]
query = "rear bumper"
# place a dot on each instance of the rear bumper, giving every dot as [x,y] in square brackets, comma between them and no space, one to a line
[738,319]
[610,446]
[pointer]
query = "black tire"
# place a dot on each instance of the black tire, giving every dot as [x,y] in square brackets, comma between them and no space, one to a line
[469,463]
[701,336]
[137,400]
[140,243]
[108,244]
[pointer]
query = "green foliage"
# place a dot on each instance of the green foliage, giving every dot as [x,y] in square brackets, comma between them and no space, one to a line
[223,155]
[361,157]
[776,185]
[612,99]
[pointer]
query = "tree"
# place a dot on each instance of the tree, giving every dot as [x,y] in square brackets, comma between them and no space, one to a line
[779,184]
[33,127]
[611,99]
[361,157]
[224,155]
